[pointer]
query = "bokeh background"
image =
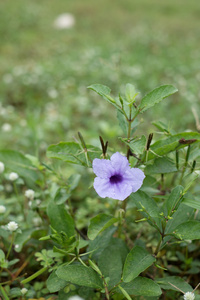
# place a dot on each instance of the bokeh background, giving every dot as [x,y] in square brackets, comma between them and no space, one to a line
[48,59]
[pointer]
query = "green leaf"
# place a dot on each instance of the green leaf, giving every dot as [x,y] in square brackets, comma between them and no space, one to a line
[130,93]
[111,261]
[23,237]
[161,165]
[59,218]
[61,196]
[98,224]
[18,163]
[2,255]
[80,275]
[189,230]
[122,122]
[104,92]
[136,262]
[137,145]
[73,153]
[54,283]
[73,181]
[191,201]
[101,242]
[142,286]
[142,200]
[173,200]
[156,96]
[180,216]
[164,283]
[124,292]
[173,143]
[162,126]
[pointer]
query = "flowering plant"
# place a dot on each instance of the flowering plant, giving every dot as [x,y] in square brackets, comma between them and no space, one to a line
[141,211]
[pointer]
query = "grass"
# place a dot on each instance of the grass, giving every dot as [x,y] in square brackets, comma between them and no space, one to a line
[141,42]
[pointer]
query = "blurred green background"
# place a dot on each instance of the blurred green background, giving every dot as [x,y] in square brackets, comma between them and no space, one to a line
[45,70]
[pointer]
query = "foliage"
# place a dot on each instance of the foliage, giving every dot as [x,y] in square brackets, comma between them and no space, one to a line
[65,240]
[117,258]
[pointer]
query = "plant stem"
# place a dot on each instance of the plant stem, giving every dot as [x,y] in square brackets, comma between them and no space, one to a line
[34,275]
[11,243]
[185,165]
[3,293]
[106,288]
[129,132]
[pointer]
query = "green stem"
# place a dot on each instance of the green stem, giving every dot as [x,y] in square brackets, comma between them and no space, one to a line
[18,199]
[106,289]
[185,165]
[3,293]
[34,275]
[129,132]
[11,244]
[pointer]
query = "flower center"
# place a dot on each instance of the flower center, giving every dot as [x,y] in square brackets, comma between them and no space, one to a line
[116,178]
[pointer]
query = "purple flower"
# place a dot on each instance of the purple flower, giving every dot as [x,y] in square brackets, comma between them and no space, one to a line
[115,178]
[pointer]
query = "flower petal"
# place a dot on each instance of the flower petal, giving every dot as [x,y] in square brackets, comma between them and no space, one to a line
[102,168]
[120,163]
[102,186]
[134,177]
[121,191]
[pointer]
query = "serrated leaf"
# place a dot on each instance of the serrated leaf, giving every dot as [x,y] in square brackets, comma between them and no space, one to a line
[59,218]
[98,224]
[142,286]
[80,275]
[72,152]
[161,165]
[188,231]
[156,96]
[104,91]
[136,262]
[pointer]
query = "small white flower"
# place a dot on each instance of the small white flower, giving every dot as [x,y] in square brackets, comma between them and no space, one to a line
[189,296]
[30,194]
[12,226]
[2,209]
[64,21]
[6,127]
[16,246]
[37,221]
[24,291]
[52,93]
[76,297]
[2,167]
[13,176]
[38,201]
